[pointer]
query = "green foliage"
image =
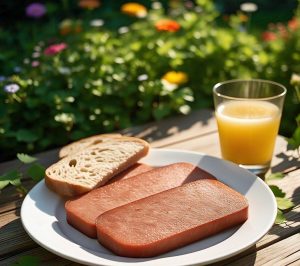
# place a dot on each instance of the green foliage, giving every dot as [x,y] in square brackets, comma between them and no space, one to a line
[283,203]
[111,77]
[294,141]
[280,218]
[277,175]
[36,172]
[14,177]
[277,191]
[25,158]
[28,261]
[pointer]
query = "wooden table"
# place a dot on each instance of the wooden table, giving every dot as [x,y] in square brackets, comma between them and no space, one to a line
[196,132]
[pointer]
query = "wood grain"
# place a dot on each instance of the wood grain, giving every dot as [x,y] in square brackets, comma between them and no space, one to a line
[283,252]
[196,132]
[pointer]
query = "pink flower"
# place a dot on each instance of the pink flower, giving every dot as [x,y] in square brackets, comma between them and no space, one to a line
[35,10]
[35,63]
[55,48]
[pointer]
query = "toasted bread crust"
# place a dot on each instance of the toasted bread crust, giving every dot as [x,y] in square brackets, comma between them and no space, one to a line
[83,143]
[69,187]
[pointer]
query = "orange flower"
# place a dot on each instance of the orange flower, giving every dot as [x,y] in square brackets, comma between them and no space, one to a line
[243,18]
[134,9]
[293,24]
[167,25]
[89,4]
[68,26]
[269,36]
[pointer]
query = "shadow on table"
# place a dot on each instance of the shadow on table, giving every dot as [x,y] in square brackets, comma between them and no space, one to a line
[289,163]
[14,237]
[247,257]
[168,127]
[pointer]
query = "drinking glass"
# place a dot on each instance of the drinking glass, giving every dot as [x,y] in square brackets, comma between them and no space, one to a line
[248,114]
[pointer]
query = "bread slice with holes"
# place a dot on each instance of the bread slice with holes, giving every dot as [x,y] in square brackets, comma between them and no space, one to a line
[93,166]
[83,143]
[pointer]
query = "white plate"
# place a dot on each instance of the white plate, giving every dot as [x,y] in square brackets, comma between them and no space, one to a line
[43,218]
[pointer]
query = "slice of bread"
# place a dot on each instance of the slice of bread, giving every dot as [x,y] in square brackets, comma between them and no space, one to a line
[93,166]
[83,143]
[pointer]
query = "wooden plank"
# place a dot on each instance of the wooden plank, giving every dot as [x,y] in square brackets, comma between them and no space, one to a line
[9,206]
[196,132]
[160,133]
[281,231]
[209,144]
[10,194]
[13,237]
[45,158]
[281,253]
[44,257]
[289,184]
[175,129]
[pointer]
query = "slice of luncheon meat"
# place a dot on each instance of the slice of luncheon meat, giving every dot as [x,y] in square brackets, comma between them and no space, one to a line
[171,219]
[136,169]
[82,212]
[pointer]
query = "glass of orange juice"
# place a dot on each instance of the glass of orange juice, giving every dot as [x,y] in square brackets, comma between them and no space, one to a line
[248,115]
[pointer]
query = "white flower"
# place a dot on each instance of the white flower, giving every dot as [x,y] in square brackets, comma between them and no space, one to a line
[36,54]
[295,80]
[248,7]
[169,86]
[142,77]
[11,88]
[97,23]
[123,30]
[156,5]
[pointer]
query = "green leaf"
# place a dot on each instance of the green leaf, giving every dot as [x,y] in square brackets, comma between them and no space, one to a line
[15,182]
[161,111]
[25,158]
[294,141]
[284,204]
[27,261]
[12,177]
[36,172]
[277,191]
[26,135]
[3,183]
[280,217]
[277,175]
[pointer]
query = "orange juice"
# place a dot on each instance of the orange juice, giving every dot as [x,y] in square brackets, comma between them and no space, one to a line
[247,131]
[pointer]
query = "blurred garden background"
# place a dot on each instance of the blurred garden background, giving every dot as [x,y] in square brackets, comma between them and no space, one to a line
[73,68]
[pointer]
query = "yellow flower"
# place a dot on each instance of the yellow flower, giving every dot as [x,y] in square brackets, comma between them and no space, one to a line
[175,77]
[134,9]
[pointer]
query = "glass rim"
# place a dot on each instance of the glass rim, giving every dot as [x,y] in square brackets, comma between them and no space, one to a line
[219,84]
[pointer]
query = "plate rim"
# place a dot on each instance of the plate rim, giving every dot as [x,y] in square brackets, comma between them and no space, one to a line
[104,260]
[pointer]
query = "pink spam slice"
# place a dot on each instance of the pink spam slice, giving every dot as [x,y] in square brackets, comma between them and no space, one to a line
[82,212]
[171,219]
